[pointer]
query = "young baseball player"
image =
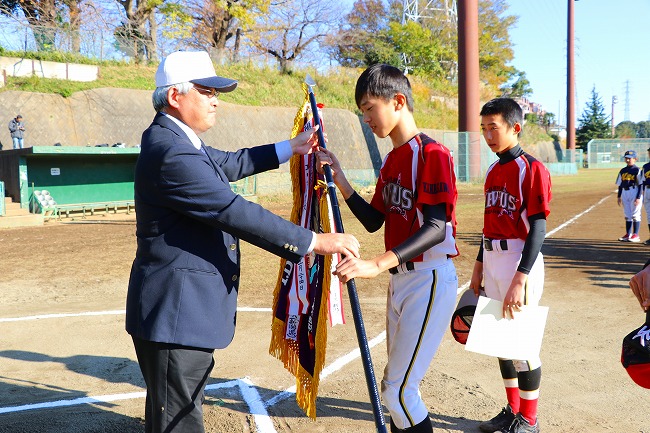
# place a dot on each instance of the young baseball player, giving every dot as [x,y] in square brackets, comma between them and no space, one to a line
[629,181]
[509,263]
[415,198]
[645,177]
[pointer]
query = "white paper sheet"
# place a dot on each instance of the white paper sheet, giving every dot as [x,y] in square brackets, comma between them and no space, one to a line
[519,338]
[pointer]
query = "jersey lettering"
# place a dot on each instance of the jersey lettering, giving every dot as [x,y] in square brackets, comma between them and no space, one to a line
[501,199]
[435,188]
[395,195]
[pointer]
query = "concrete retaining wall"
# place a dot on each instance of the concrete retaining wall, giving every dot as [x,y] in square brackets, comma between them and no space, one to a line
[18,67]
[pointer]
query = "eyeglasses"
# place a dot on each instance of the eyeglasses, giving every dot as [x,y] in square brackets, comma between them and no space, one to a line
[210,93]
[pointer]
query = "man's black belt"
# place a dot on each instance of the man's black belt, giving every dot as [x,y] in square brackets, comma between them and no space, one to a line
[487,244]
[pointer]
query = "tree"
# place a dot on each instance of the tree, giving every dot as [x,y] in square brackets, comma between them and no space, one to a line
[42,16]
[643,130]
[495,47]
[359,41]
[520,88]
[420,46]
[132,36]
[211,24]
[291,27]
[593,123]
[626,129]
[74,23]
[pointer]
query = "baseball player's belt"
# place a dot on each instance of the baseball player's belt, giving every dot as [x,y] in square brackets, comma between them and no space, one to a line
[487,244]
[409,267]
[630,187]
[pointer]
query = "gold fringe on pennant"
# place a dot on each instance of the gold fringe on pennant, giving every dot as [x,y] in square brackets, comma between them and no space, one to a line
[287,350]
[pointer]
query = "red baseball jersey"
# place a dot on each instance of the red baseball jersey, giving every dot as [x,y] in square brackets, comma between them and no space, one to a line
[513,191]
[419,172]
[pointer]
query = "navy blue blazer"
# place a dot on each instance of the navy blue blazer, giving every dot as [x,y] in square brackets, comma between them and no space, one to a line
[185,276]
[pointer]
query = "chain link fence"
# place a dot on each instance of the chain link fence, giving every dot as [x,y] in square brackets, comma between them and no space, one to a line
[608,153]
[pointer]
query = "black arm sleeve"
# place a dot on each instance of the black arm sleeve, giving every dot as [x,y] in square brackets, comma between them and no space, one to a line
[479,256]
[370,217]
[432,232]
[534,242]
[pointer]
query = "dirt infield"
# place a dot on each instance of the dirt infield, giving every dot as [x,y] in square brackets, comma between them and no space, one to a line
[67,365]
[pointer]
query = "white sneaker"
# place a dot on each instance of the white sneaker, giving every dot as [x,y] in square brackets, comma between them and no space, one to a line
[634,238]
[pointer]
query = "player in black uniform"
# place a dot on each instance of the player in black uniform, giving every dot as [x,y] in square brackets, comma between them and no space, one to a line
[645,177]
[629,195]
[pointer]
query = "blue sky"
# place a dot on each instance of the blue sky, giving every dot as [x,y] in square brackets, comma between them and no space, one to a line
[611,45]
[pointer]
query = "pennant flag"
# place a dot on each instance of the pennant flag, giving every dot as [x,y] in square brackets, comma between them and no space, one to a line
[307,293]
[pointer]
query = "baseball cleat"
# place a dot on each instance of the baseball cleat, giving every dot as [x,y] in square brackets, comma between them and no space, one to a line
[647,242]
[634,238]
[521,425]
[625,238]
[501,422]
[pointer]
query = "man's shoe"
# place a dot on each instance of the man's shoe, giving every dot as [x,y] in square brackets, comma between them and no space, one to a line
[647,242]
[502,421]
[521,425]
[634,238]
[624,238]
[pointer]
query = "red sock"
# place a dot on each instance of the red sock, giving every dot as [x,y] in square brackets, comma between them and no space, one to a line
[528,410]
[513,398]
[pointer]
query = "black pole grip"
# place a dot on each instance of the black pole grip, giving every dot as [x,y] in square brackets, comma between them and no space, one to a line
[371,382]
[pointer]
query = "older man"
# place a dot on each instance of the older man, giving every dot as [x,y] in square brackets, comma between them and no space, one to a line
[182,296]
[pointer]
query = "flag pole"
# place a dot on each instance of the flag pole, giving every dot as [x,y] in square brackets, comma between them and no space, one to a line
[380,423]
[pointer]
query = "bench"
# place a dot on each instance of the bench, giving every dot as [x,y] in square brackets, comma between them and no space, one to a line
[60,210]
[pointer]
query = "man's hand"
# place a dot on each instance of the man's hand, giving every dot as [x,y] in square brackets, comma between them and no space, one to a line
[304,143]
[476,283]
[337,243]
[354,267]
[325,157]
[640,285]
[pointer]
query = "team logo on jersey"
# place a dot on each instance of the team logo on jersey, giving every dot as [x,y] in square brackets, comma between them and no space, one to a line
[628,177]
[499,201]
[397,199]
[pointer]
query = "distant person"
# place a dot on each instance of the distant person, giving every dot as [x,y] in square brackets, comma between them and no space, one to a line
[17,130]
[629,183]
[645,178]
[182,295]
[559,153]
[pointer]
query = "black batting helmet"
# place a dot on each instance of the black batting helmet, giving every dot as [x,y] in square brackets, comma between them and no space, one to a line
[461,320]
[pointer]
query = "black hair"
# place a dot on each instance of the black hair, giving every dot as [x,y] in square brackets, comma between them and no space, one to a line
[506,107]
[383,81]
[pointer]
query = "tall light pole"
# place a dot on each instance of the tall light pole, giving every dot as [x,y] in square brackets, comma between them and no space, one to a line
[571,83]
[614,101]
[468,85]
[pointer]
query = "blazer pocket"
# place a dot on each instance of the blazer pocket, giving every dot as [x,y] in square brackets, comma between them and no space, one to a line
[206,311]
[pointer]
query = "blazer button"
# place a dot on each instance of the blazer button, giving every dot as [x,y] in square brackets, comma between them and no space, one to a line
[234,277]
[233,246]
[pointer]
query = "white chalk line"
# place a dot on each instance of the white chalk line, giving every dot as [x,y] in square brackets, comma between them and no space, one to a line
[248,390]
[107,313]
[249,393]
[571,220]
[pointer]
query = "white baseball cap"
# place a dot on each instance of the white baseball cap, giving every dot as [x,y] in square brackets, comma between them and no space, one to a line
[194,67]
